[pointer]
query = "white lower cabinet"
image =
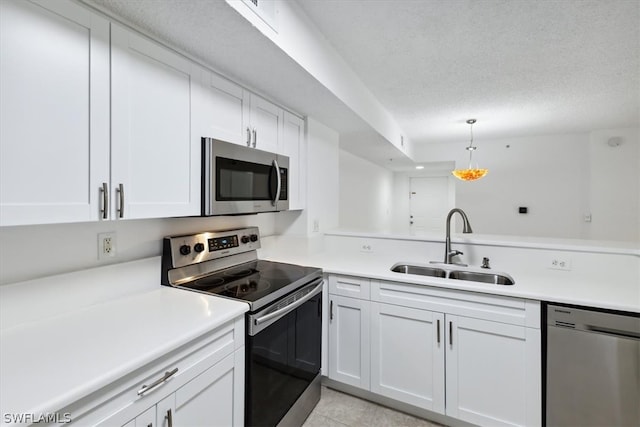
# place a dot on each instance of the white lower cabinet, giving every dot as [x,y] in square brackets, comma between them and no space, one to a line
[493,372]
[407,355]
[200,384]
[349,337]
[473,357]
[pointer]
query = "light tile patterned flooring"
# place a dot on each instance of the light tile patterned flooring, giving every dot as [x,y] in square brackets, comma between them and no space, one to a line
[337,409]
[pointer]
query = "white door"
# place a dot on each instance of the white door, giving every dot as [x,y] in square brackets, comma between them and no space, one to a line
[223,110]
[54,112]
[266,124]
[294,146]
[215,397]
[155,156]
[429,204]
[349,356]
[490,377]
[407,355]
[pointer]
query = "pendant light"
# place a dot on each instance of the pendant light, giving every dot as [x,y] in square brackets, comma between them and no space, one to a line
[470,174]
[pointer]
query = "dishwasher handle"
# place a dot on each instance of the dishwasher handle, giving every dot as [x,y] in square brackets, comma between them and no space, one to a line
[615,332]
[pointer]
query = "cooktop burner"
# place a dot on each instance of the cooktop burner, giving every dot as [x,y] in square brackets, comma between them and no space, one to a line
[250,281]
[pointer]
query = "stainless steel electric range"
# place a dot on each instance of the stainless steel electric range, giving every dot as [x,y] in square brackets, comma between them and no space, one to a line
[284,322]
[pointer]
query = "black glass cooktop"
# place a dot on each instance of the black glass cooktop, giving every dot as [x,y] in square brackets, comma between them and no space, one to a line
[257,282]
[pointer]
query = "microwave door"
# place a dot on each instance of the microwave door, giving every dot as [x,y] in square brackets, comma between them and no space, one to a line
[240,177]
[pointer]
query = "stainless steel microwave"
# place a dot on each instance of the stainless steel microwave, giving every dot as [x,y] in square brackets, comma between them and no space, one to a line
[242,180]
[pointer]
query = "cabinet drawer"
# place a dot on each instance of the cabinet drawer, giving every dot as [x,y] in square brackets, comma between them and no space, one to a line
[120,400]
[349,286]
[515,311]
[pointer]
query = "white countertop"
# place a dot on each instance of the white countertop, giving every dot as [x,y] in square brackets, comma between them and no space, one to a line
[49,363]
[619,292]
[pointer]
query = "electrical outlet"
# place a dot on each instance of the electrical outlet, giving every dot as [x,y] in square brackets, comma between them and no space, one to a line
[106,245]
[560,263]
[366,247]
[316,225]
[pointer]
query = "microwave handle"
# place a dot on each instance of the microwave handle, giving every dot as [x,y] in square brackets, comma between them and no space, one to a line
[274,202]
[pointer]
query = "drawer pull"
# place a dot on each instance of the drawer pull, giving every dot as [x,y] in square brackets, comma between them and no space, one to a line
[438,331]
[156,383]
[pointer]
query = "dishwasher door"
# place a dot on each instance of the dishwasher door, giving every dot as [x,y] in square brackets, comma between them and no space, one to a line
[593,368]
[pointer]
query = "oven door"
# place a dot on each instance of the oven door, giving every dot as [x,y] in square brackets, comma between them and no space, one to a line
[283,352]
[238,180]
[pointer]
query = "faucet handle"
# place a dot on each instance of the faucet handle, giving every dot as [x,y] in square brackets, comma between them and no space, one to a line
[456,252]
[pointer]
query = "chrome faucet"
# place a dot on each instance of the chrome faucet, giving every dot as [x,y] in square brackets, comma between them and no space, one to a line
[466,228]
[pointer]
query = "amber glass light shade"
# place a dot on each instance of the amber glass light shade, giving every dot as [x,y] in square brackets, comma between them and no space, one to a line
[469,174]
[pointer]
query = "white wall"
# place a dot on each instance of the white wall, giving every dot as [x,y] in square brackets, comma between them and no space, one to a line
[365,194]
[614,186]
[29,252]
[322,185]
[559,178]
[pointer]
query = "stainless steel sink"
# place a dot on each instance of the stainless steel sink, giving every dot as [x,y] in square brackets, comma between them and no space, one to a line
[474,276]
[419,270]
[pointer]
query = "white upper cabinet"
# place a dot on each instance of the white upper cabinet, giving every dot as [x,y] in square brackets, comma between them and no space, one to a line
[265,124]
[155,155]
[294,146]
[223,110]
[54,112]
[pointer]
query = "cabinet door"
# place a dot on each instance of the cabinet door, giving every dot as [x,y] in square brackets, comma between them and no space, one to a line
[493,372]
[349,354]
[146,419]
[224,110]
[54,112]
[407,355]
[155,156]
[266,122]
[215,397]
[165,411]
[294,146]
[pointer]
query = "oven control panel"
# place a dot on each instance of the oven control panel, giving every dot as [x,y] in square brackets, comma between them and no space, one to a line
[220,243]
[200,247]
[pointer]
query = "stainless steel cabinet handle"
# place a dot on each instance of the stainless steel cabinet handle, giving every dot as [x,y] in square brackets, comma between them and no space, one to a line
[156,383]
[121,198]
[331,310]
[450,333]
[255,138]
[169,418]
[248,136]
[105,200]
[438,331]
[279,181]
[291,307]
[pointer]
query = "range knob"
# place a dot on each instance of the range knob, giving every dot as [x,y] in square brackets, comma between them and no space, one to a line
[198,247]
[185,249]
[245,239]
[254,237]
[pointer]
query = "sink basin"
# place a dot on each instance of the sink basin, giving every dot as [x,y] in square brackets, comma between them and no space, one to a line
[473,276]
[419,270]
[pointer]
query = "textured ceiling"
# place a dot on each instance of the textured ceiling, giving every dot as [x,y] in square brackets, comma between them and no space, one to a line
[519,67]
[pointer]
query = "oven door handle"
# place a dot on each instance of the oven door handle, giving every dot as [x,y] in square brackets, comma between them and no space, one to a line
[274,202]
[290,307]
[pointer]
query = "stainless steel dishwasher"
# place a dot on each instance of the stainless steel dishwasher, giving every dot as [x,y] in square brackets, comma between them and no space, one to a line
[592,368]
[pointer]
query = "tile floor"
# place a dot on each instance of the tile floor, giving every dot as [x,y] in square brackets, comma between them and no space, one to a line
[337,409]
